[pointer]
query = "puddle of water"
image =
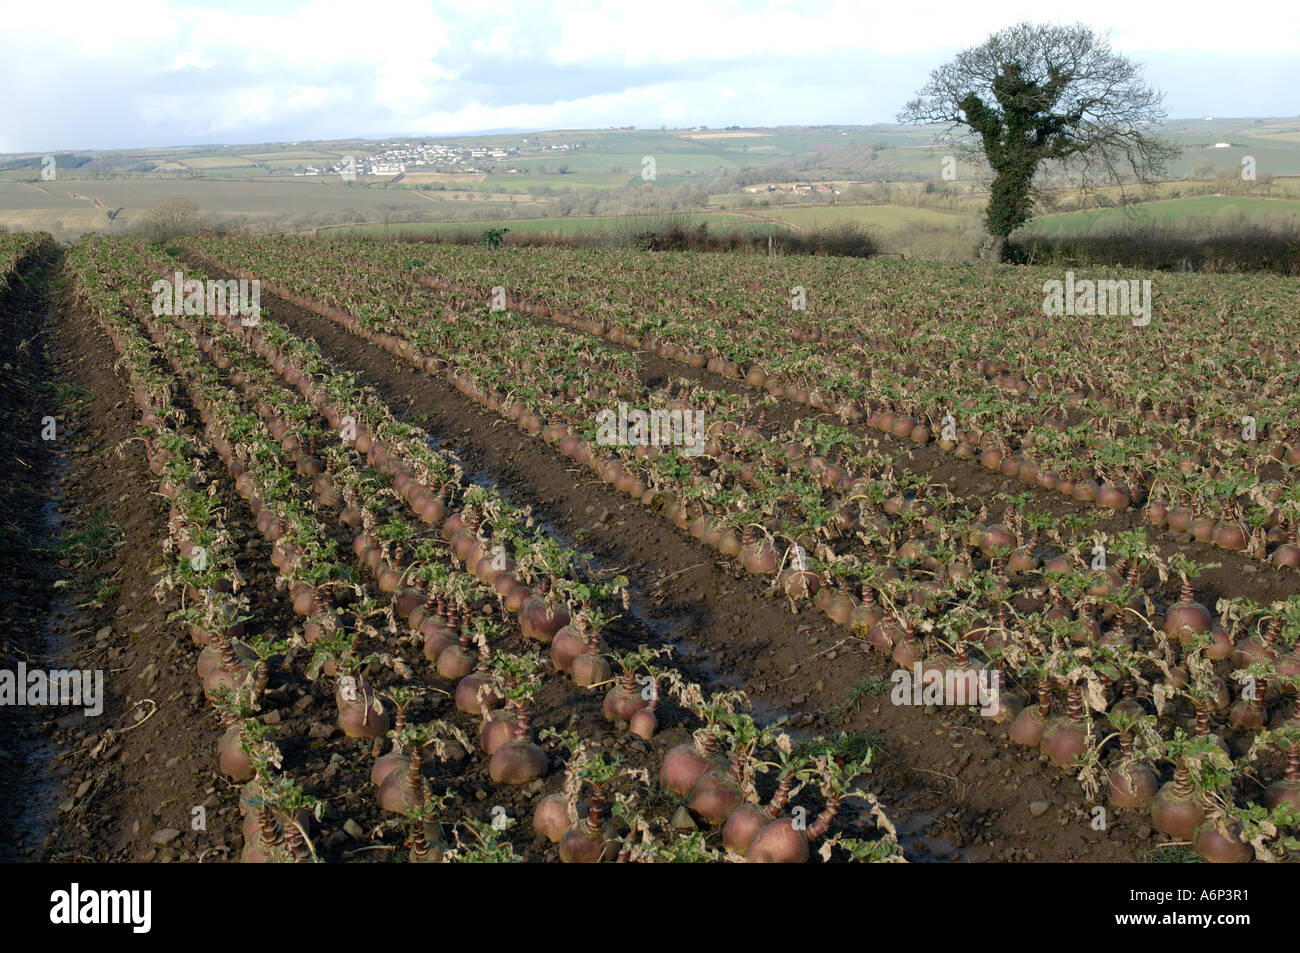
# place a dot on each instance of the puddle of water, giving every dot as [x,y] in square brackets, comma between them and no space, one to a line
[921,848]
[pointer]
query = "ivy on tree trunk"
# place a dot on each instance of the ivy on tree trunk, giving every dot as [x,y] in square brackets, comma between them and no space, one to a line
[1035,94]
[1017,134]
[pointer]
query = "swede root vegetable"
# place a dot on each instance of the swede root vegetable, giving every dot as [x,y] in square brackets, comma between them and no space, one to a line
[408,601]
[1131,784]
[234,762]
[267,844]
[782,842]
[433,607]
[1218,840]
[590,668]
[478,691]
[1007,706]
[225,664]
[909,649]
[757,556]
[441,632]
[1178,808]
[426,840]
[625,698]
[995,537]
[796,579]
[396,758]
[518,760]
[242,743]
[551,818]
[538,618]
[456,661]
[568,643]
[1085,628]
[785,841]
[361,714]
[590,840]
[1248,712]
[1258,648]
[1288,668]
[644,722]
[716,794]
[866,614]
[749,819]
[497,728]
[1187,617]
[455,523]
[1288,554]
[212,657]
[1066,738]
[886,633]
[1127,706]
[1286,790]
[403,791]
[743,825]
[466,539]
[1027,728]
[684,764]
[283,811]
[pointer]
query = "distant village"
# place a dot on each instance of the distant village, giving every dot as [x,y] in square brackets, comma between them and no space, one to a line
[398,158]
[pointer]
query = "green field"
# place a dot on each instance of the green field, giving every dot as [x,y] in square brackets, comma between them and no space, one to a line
[522,182]
[219,162]
[883,217]
[297,155]
[1209,209]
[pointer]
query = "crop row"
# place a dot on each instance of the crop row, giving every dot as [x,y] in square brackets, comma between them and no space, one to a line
[1035,619]
[1127,439]
[498,686]
[1250,505]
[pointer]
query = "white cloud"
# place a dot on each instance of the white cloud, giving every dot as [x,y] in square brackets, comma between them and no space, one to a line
[675,31]
[302,68]
[313,97]
[192,58]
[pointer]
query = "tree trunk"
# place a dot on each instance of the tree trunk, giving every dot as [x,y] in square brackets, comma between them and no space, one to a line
[991,248]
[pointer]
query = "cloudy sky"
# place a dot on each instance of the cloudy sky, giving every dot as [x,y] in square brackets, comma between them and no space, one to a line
[95,74]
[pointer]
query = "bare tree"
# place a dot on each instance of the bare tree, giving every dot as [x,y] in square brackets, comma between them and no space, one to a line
[388,214]
[1045,95]
[170,219]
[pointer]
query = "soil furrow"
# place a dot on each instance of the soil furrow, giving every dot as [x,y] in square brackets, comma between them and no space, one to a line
[120,784]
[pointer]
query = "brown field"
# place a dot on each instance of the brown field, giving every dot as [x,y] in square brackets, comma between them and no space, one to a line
[446,178]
